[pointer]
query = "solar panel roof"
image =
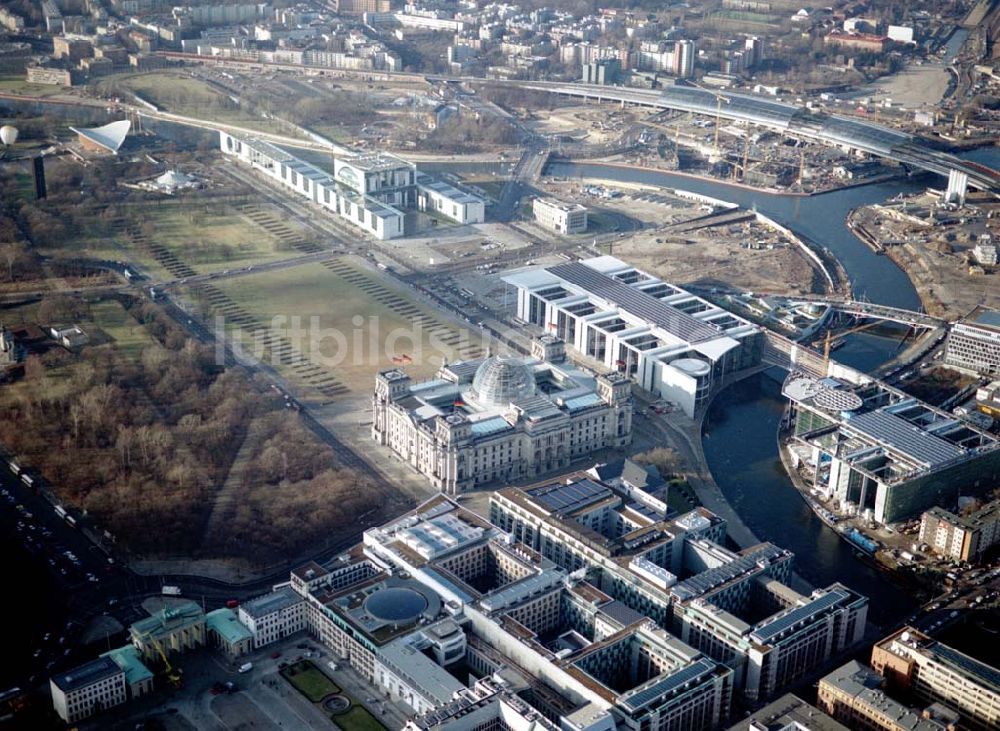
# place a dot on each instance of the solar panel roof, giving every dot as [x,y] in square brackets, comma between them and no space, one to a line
[637,303]
[989,318]
[561,499]
[713,578]
[622,613]
[986,674]
[669,684]
[771,628]
[903,436]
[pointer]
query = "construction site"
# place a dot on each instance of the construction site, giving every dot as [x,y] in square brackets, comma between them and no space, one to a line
[947,250]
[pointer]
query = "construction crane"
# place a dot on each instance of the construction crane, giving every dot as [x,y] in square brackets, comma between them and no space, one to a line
[828,342]
[173,674]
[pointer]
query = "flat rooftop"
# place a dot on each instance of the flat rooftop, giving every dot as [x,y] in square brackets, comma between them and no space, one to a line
[903,436]
[560,205]
[562,499]
[87,674]
[637,303]
[377,162]
[786,713]
[270,603]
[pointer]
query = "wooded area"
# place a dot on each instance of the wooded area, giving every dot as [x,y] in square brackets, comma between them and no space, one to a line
[144,444]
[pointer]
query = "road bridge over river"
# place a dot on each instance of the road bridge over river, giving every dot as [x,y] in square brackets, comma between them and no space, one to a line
[790,119]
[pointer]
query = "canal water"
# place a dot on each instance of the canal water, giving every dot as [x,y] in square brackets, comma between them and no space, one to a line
[740,433]
[741,427]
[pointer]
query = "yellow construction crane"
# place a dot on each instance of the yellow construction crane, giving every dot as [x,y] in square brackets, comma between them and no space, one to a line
[173,674]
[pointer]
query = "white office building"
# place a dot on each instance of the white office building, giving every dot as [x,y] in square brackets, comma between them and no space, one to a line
[88,689]
[370,191]
[555,215]
[670,341]
[974,343]
[273,616]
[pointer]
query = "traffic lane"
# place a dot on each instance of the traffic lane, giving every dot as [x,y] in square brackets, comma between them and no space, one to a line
[53,536]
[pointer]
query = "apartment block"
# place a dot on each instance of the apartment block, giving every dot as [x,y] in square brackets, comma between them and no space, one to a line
[931,671]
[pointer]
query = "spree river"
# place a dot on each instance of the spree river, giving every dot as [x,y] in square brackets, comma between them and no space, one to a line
[740,433]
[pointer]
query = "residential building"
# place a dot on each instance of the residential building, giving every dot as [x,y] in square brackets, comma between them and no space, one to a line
[879,452]
[866,42]
[788,713]
[87,689]
[974,343]
[360,7]
[985,251]
[499,418]
[51,75]
[604,72]
[174,629]
[961,537]
[672,342]
[914,663]
[854,695]
[226,632]
[72,49]
[11,21]
[684,55]
[555,215]
[273,616]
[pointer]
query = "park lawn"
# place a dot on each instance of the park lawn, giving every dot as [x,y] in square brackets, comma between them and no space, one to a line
[358,719]
[110,326]
[212,238]
[362,325]
[206,238]
[180,94]
[310,681]
[16,84]
[127,336]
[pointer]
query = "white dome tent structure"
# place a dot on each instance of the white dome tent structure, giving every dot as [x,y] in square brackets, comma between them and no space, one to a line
[174,180]
[107,138]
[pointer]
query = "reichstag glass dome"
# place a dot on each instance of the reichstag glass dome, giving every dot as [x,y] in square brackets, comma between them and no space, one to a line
[498,381]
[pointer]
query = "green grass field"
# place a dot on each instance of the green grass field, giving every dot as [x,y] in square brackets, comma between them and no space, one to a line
[353,321]
[210,239]
[205,237]
[358,719]
[310,681]
[181,94]
[16,84]
[109,326]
